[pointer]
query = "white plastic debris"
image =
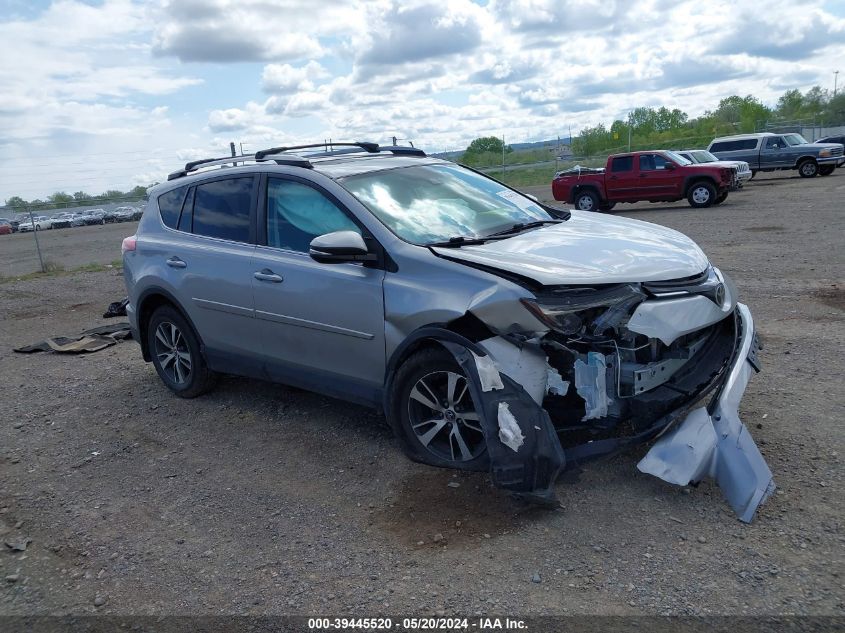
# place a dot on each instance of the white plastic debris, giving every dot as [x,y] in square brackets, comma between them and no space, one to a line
[487,373]
[591,384]
[509,432]
[526,365]
[555,384]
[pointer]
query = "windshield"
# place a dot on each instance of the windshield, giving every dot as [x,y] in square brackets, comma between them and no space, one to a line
[795,139]
[433,203]
[678,158]
[703,156]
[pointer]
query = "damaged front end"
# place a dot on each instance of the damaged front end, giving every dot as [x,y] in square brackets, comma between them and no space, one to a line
[617,365]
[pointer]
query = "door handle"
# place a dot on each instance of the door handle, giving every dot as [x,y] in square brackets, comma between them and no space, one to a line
[613,178]
[175,262]
[643,175]
[268,275]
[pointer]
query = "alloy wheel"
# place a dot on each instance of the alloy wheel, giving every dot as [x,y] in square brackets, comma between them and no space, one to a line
[173,353]
[585,203]
[443,417]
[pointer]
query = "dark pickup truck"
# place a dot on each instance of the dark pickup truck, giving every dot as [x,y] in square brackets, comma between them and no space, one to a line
[656,176]
[765,151]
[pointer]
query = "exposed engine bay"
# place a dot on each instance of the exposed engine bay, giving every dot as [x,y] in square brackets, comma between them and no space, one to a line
[621,364]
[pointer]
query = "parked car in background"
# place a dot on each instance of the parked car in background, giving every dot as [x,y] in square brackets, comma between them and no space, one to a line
[765,151]
[118,214]
[95,216]
[832,139]
[37,223]
[137,213]
[655,176]
[14,224]
[702,156]
[79,219]
[5,227]
[496,333]
[62,220]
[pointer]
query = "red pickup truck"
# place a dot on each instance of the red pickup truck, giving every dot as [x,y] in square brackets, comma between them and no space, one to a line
[656,176]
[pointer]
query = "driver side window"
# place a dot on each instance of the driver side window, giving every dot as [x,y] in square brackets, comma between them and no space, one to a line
[297,213]
[774,142]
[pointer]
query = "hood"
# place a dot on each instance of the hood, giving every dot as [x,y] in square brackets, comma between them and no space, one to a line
[590,248]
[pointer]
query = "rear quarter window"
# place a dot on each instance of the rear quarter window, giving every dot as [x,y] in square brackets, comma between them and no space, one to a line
[170,206]
[733,146]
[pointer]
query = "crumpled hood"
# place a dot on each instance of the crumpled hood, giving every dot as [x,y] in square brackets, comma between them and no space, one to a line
[590,248]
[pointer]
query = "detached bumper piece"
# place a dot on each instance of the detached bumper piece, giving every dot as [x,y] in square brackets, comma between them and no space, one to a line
[712,441]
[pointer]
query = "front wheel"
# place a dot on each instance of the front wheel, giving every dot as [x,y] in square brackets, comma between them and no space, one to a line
[808,169]
[433,414]
[826,170]
[720,199]
[701,194]
[586,201]
[607,206]
[175,349]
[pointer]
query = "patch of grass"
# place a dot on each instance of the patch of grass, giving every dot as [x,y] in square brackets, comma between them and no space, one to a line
[55,269]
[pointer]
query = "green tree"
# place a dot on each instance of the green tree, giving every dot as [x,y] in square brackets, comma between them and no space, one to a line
[16,202]
[486,144]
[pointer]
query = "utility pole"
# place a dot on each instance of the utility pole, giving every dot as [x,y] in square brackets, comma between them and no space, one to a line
[503,156]
[629,131]
[232,149]
[835,82]
[37,245]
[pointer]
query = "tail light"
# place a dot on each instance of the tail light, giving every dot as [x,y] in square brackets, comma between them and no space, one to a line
[128,244]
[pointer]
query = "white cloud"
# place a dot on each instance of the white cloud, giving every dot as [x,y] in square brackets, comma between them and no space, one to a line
[157,76]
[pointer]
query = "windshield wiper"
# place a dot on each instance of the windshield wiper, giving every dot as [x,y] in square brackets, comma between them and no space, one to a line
[458,240]
[521,226]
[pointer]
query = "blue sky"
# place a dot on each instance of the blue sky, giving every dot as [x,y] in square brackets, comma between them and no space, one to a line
[114,93]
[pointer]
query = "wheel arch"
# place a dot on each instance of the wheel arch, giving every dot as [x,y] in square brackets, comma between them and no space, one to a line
[805,157]
[151,299]
[691,181]
[577,189]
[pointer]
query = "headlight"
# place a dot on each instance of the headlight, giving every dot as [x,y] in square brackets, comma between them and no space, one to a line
[825,153]
[563,310]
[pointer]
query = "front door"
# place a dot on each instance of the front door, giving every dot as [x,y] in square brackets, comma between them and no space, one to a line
[775,153]
[321,325]
[655,178]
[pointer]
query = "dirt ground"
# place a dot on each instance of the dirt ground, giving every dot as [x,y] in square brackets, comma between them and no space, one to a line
[262,499]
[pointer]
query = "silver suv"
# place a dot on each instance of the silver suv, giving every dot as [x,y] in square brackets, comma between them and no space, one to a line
[495,333]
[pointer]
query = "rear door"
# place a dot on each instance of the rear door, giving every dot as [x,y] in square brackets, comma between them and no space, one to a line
[321,325]
[208,253]
[622,179]
[655,178]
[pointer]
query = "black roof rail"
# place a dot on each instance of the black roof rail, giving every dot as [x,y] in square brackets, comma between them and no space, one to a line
[403,150]
[372,148]
[295,161]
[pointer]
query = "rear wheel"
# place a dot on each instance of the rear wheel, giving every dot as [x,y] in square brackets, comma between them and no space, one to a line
[175,349]
[826,170]
[433,414]
[586,200]
[808,168]
[701,194]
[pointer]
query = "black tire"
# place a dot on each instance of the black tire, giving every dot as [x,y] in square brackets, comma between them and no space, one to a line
[701,194]
[720,199]
[808,168]
[607,206]
[586,200]
[826,170]
[408,412]
[753,173]
[186,380]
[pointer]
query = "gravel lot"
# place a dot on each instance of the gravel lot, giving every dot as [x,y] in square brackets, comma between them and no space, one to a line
[259,498]
[69,248]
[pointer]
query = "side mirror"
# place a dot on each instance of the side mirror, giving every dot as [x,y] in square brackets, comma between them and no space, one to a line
[340,247]
[670,165]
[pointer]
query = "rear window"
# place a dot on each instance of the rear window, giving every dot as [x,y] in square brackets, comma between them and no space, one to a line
[222,209]
[734,146]
[170,206]
[622,163]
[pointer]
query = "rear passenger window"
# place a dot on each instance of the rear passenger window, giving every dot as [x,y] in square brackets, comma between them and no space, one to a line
[187,213]
[222,209]
[170,205]
[623,163]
